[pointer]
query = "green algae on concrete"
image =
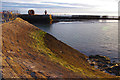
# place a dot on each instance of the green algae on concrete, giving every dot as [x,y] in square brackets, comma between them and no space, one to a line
[39,46]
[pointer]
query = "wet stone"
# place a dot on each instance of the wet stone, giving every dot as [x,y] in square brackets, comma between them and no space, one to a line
[104,64]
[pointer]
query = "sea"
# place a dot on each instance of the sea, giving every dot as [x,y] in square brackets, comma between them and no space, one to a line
[90,37]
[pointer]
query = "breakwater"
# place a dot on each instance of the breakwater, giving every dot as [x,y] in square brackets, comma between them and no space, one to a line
[37,18]
[83,17]
[52,18]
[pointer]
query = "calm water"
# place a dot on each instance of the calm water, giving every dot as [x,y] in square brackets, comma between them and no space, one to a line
[88,37]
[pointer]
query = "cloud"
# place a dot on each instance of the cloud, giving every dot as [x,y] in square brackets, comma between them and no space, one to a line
[64,6]
[45,5]
[27,5]
[100,4]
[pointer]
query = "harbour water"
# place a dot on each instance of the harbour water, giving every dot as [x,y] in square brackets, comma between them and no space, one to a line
[91,37]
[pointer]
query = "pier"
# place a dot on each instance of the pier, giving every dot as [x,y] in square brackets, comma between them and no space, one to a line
[83,17]
[53,18]
[36,18]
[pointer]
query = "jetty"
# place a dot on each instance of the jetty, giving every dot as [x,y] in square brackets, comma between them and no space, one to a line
[36,18]
[48,18]
[53,18]
[83,17]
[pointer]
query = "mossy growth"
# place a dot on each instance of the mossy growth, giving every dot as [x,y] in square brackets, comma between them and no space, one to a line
[39,46]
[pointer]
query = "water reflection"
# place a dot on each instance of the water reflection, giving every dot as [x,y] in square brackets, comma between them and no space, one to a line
[108,21]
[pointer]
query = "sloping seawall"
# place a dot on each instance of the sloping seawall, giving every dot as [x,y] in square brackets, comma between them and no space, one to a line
[29,52]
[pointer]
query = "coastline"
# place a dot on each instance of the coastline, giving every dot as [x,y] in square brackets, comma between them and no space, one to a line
[29,52]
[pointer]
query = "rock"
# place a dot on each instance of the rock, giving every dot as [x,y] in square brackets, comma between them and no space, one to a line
[93,62]
[116,65]
[98,58]
[116,70]
[103,63]
[91,57]
[104,66]
[111,64]
[109,70]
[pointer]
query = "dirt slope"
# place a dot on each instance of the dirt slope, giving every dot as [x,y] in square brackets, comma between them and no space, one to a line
[29,52]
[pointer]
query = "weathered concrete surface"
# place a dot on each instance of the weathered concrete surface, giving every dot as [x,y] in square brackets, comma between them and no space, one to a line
[29,52]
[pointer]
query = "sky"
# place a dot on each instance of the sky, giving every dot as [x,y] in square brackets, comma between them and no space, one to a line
[105,7]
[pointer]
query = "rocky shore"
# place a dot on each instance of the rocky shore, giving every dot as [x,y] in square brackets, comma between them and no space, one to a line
[28,52]
[104,64]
